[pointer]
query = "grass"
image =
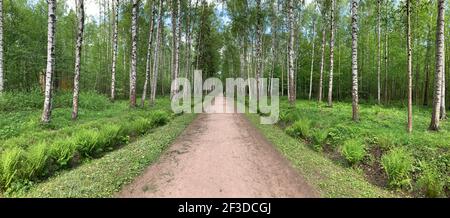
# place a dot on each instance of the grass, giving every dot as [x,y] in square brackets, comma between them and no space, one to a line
[31,152]
[329,179]
[106,176]
[378,145]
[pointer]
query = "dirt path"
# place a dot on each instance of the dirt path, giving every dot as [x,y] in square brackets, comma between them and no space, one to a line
[220,155]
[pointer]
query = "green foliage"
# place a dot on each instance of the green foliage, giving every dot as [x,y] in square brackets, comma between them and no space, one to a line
[300,129]
[62,151]
[36,159]
[10,165]
[354,151]
[398,164]
[430,181]
[319,138]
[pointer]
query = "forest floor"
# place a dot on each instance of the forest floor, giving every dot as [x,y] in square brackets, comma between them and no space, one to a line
[220,155]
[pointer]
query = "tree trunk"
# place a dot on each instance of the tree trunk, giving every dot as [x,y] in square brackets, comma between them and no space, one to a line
[312,60]
[1,48]
[386,59]
[330,86]
[175,44]
[115,52]
[259,29]
[322,62]
[427,67]
[274,44]
[355,99]
[291,83]
[51,29]
[434,125]
[408,11]
[379,52]
[76,80]
[149,51]
[443,115]
[134,37]
[155,62]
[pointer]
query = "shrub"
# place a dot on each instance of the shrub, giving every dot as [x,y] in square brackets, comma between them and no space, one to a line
[300,129]
[160,118]
[319,138]
[430,181]
[87,142]
[62,151]
[398,164]
[10,163]
[353,151]
[109,136]
[36,159]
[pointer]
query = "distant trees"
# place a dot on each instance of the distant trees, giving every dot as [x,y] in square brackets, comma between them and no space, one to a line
[149,51]
[156,57]
[46,114]
[76,80]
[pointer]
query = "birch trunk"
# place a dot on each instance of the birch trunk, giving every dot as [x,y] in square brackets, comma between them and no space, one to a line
[322,62]
[408,11]
[155,62]
[134,36]
[434,125]
[2,87]
[379,52]
[148,61]
[355,97]
[51,29]
[274,44]
[291,83]
[175,45]
[330,86]
[259,27]
[443,115]
[312,61]
[76,80]
[115,51]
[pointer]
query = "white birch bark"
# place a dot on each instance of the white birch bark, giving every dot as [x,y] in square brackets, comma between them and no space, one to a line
[115,50]
[79,45]
[149,51]
[134,36]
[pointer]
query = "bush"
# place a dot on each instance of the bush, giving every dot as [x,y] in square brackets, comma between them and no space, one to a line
[36,159]
[160,118]
[300,129]
[20,101]
[398,164]
[62,151]
[430,181]
[353,151]
[319,138]
[10,162]
[87,142]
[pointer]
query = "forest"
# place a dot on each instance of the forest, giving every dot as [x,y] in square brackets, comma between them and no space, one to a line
[362,85]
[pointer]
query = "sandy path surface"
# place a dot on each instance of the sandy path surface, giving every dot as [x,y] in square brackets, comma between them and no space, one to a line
[220,155]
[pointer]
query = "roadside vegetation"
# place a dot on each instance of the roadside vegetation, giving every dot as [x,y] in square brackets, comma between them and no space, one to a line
[30,151]
[416,164]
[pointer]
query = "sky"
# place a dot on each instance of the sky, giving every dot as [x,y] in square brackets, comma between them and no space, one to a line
[92,6]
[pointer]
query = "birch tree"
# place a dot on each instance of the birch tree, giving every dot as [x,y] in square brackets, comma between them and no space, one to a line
[1,48]
[322,61]
[291,54]
[79,45]
[156,60]
[148,59]
[379,51]
[134,36]
[408,26]
[330,86]
[355,98]
[115,50]
[259,29]
[312,59]
[51,29]
[176,25]
[435,116]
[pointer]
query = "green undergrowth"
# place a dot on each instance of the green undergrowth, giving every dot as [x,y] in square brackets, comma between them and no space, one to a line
[106,176]
[31,152]
[417,164]
[329,179]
